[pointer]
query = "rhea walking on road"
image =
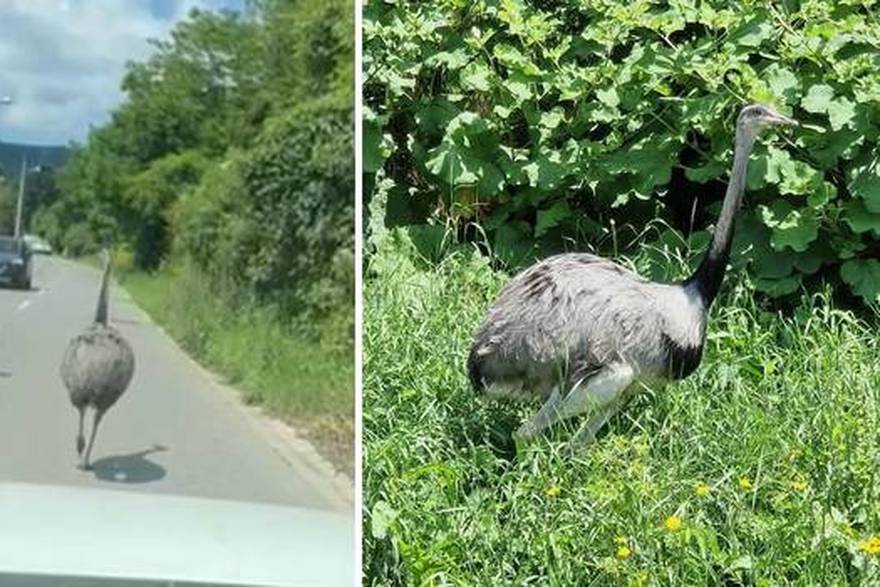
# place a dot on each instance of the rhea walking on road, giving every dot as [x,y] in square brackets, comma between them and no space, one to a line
[97,367]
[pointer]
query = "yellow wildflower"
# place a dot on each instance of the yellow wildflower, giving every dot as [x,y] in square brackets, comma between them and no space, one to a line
[673,523]
[623,552]
[702,490]
[552,491]
[620,540]
[799,485]
[745,483]
[870,545]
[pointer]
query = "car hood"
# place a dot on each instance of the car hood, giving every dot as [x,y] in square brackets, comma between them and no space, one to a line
[69,531]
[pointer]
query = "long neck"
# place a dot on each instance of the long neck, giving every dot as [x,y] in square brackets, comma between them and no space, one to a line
[101,310]
[710,274]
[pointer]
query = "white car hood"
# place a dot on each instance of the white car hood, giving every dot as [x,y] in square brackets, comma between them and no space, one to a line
[77,532]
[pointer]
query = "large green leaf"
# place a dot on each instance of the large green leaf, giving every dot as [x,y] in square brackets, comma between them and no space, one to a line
[863,277]
[477,76]
[818,98]
[860,219]
[841,113]
[551,217]
[866,185]
[458,166]
[778,287]
[783,82]
[792,228]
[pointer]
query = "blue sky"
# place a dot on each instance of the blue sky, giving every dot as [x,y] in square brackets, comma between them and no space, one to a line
[61,61]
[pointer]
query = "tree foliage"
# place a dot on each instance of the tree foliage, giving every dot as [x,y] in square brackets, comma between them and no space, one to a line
[551,122]
[233,147]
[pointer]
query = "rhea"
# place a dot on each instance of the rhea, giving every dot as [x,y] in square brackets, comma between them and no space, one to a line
[579,331]
[97,367]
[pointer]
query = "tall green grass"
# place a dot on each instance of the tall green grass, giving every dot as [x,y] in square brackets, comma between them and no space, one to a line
[305,375]
[763,468]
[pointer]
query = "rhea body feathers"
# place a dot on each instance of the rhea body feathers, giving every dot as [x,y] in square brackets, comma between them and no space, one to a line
[578,312]
[96,368]
[578,330]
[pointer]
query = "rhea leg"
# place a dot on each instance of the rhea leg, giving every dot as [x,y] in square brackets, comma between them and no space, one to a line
[587,433]
[598,394]
[85,462]
[543,418]
[80,439]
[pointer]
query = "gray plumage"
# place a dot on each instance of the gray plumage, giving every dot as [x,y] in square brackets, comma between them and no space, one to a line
[578,330]
[97,367]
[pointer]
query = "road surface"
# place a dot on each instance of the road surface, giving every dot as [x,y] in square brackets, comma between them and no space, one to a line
[176,430]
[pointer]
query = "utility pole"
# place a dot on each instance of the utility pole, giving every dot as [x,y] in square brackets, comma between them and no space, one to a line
[21,182]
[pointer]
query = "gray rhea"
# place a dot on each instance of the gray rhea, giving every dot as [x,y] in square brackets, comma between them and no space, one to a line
[578,331]
[96,369]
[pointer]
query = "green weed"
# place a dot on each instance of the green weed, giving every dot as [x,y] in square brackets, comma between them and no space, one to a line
[760,469]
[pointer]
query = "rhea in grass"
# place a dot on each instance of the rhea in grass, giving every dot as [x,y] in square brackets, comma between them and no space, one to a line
[578,330]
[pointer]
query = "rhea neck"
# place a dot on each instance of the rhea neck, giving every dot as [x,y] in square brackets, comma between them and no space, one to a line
[101,310]
[709,275]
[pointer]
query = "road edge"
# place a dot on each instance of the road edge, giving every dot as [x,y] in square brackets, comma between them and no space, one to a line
[285,440]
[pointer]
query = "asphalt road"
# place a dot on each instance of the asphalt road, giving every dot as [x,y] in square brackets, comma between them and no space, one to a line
[176,430]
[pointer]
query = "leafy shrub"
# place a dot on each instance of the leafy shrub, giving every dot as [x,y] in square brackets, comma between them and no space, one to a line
[547,122]
[150,194]
[278,221]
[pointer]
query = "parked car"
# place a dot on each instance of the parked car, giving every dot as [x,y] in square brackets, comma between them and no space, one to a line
[16,263]
[37,245]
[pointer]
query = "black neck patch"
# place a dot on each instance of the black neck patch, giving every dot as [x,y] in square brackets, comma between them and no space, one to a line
[681,361]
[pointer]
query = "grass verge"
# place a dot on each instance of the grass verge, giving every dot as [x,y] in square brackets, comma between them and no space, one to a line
[760,469]
[305,382]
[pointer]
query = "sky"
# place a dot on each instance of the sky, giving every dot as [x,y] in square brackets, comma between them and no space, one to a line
[62,61]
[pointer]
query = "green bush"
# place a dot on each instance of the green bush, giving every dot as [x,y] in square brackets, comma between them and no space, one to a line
[279,220]
[150,194]
[548,122]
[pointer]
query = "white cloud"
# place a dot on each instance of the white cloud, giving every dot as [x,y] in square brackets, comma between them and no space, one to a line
[62,61]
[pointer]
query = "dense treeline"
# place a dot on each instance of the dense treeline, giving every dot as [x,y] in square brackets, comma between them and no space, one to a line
[233,150]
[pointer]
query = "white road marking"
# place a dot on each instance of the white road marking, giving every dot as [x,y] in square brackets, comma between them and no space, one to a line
[23,305]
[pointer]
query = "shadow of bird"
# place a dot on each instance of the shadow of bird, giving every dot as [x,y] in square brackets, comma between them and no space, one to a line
[130,468]
[96,369]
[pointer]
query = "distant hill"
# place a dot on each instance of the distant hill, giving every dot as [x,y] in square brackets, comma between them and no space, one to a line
[10,157]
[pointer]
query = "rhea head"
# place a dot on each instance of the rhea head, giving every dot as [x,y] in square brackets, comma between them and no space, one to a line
[756,117]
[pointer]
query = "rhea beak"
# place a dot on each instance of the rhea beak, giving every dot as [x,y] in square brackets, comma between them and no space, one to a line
[779,119]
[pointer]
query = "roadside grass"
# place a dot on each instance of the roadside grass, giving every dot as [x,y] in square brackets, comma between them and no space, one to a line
[760,469]
[306,382]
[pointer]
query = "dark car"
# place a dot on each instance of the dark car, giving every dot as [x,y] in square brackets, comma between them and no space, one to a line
[16,266]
